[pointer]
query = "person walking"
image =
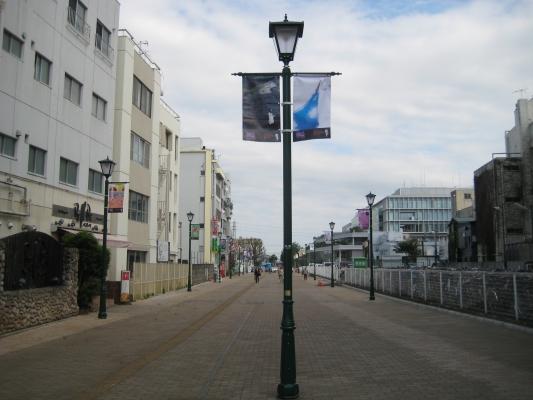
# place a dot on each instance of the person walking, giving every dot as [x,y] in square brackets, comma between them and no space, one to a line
[305,273]
[257,274]
[280,274]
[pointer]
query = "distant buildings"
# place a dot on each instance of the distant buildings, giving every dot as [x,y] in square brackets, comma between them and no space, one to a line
[206,192]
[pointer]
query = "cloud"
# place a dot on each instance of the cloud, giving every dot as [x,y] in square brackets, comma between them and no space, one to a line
[425,95]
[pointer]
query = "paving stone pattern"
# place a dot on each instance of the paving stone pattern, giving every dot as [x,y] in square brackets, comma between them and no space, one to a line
[222,341]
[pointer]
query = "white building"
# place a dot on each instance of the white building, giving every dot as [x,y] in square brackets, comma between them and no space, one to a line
[205,190]
[57,80]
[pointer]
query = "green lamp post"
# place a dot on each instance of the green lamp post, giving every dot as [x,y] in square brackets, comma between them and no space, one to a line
[286,34]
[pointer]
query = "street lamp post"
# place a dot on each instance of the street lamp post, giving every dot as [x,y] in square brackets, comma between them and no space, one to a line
[286,34]
[229,257]
[331,227]
[435,241]
[502,223]
[219,255]
[370,197]
[190,216]
[314,259]
[107,167]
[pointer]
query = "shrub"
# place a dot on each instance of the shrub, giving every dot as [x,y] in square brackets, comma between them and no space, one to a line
[89,265]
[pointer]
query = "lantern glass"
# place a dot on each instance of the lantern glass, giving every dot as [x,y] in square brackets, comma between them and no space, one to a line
[107,167]
[332,225]
[370,197]
[190,216]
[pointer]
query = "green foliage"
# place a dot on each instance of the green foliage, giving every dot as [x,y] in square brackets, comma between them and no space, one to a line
[409,246]
[272,259]
[89,265]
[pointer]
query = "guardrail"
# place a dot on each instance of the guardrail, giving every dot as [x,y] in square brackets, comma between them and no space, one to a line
[506,296]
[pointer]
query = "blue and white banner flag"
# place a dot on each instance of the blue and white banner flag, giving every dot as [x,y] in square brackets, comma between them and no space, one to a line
[312,107]
[261,108]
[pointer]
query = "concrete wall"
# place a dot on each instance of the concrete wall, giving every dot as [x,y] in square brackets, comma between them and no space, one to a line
[21,309]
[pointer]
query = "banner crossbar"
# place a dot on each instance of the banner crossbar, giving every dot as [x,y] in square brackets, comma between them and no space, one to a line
[279,74]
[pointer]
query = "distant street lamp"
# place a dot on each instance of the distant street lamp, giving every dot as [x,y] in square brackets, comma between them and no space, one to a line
[314,259]
[107,167]
[435,254]
[370,197]
[331,226]
[219,254]
[228,241]
[502,223]
[286,34]
[190,216]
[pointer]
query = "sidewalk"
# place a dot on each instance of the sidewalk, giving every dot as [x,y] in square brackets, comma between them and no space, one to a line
[222,341]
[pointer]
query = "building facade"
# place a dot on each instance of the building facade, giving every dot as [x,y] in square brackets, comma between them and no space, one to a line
[205,191]
[421,213]
[57,81]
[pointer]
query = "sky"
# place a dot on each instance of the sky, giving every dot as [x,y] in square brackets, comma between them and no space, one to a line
[427,91]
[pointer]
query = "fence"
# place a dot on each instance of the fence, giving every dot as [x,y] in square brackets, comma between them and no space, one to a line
[500,295]
[150,279]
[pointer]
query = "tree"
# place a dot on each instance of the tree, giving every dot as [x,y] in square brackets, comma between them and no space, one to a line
[272,259]
[89,265]
[255,248]
[409,246]
[295,249]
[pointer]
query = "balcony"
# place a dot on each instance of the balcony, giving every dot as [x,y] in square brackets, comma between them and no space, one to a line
[76,23]
[104,48]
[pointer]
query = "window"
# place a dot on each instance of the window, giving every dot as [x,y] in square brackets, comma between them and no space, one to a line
[95,181]
[102,39]
[7,145]
[202,199]
[72,90]
[468,196]
[138,207]
[140,150]
[42,69]
[68,171]
[76,16]
[142,97]
[36,160]
[12,44]
[99,107]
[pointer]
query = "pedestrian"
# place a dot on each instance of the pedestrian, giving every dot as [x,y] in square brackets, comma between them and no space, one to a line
[305,273]
[280,274]
[257,274]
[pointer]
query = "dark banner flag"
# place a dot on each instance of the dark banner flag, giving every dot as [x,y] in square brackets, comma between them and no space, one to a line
[261,108]
[312,107]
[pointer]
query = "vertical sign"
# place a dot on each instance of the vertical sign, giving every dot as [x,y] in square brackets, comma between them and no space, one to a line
[261,108]
[124,286]
[116,198]
[312,107]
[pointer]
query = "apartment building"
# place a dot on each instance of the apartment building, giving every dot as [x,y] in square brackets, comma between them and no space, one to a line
[146,152]
[57,79]
[205,190]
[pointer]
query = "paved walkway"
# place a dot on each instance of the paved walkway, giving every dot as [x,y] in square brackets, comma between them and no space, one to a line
[222,341]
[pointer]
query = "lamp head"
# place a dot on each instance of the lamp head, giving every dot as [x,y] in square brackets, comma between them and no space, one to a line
[107,167]
[285,34]
[370,197]
[332,225]
[190,216]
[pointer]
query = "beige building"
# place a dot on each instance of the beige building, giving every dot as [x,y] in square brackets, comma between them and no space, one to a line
[146,152]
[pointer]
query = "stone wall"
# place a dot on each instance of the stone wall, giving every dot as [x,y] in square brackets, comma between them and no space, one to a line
[24,308]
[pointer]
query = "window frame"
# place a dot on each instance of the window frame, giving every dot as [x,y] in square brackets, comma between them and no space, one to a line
[94,112]
[91,180]
[100,43]
[10,139]
[40,57]
[141,157]
[69,163]
[72,80]
[33,164]
[138,214]
[139,97]
[10,39]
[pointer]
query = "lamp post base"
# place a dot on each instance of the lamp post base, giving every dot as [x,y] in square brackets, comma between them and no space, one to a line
[102,315]
[288,391]
[372,297]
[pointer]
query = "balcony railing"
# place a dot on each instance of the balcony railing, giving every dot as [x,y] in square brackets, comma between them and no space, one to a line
[77,22]
[104,47]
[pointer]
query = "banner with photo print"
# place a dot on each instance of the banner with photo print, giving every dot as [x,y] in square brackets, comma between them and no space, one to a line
[312,107]
[261,108]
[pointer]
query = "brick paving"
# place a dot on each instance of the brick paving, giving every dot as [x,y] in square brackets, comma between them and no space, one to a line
[222,341]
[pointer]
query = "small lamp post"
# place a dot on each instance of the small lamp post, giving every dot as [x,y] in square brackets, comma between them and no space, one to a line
[286,34]
[229,257]
[107,167]
[190,216]
[314,260]
[331,227]
[370,197]
[435,252]
[219,255]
